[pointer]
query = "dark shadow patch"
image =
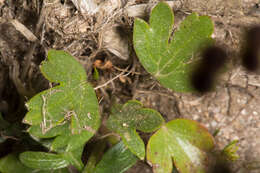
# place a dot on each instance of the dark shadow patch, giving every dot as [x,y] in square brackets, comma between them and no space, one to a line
[251,49]
[204,75]
[220,167]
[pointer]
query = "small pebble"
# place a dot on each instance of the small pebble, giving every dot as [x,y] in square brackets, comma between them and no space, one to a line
[244,112]
[195,117]
[213,123]
[255,113]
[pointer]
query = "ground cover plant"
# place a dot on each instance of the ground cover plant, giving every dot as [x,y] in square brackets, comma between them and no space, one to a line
[66,116]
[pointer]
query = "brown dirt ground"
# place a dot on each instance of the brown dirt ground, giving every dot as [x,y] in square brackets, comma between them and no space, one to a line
[233,107]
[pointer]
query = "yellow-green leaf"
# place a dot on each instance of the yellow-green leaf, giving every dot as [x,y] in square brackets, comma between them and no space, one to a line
[230,151]
[181,142]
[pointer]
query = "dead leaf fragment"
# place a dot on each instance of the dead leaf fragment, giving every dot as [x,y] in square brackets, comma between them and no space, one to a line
[103,66]
[115,42]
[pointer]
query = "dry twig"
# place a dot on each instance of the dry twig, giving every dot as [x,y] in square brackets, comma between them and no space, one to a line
[111,80]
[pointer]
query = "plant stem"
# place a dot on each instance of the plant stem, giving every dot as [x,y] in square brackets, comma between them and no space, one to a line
[95,157]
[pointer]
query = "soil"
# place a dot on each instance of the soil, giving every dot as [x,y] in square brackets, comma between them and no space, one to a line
[233,107]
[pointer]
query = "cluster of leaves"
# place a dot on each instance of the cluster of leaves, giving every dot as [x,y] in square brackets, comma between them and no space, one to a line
[65,117]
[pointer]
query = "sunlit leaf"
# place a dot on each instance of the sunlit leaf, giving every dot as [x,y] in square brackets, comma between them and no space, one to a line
[181,142]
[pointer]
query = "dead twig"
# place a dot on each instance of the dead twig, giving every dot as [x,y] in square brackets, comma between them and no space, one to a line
[29,54]
[119,69]
[239,113]
[14,74]
[111,80]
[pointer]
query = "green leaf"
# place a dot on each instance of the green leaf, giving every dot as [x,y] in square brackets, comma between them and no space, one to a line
[68,111]
[36,131]
[74,157]
[43,161]
[125,119]
[117,160]
[182,142]
[96,74]
[170,63]
[11,164]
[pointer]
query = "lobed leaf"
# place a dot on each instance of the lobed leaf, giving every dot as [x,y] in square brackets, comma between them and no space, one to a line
[117,160]
[170,62]
[126,119]
[69,112]
[182,142]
